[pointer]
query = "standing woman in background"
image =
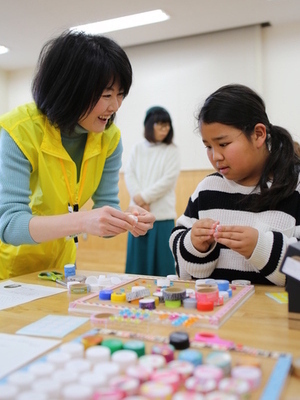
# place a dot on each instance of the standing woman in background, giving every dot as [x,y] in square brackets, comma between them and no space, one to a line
[151,175]
[61,150]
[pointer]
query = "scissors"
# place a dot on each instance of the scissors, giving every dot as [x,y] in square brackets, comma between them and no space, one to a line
[52,276]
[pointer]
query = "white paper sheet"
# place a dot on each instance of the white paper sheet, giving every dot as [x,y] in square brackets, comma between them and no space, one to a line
[16,351]
[14,293]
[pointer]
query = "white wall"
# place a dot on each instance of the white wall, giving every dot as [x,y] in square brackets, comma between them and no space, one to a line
[3,91]
[180,74]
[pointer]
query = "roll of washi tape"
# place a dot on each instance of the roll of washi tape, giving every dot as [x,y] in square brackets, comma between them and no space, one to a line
[139,294]
[118,297]
[184,395]
[69,284]
[159,295]
[70,270]
[166,350]
[109,393]
[189,303]
[75,349]
[130,386]
[221,359]
[167,376]
[105,294]
[147,304]
[184,368]
[152,361]
[100,318]
[156,390]
[172,303]
[197,385]
[223,284]
[79,288]
[190,292]
[173,293]
[229,291]
[163,282]
[180,340]
[205,305]
[191,355]
[240,282]
[238,387]
[135,345]
[139,372]
[209,293]
[248,373]
[207,372]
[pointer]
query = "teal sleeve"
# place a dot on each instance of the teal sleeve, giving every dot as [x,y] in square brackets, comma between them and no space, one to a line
[107,193]
[15,212]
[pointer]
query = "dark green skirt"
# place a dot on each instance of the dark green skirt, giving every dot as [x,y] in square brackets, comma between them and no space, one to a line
[151,254]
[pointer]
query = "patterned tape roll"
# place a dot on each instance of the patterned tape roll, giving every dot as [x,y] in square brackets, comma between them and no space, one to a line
[137,295]
[173,293]
[147,304]
[208,293]
[80,288]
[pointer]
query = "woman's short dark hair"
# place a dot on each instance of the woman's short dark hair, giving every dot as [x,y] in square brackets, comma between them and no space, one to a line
[72,72]
[157,115]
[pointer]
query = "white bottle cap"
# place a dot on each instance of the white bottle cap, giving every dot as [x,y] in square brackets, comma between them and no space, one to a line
[64,377]
[77,392]
[97,354]
[78,365]
[50,388]
[92,380]
[124,358]
[23,379]
[73,348]
[58,358]
[107,369]
[42,369]
[8,391]
[32,395]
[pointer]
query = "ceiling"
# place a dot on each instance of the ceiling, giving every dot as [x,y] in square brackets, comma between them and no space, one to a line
[27,24]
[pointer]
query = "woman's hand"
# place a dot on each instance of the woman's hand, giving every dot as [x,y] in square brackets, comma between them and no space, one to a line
[202,234]
[145,220]
[242,239]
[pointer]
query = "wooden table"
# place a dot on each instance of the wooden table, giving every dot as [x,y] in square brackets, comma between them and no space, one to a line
[259,323]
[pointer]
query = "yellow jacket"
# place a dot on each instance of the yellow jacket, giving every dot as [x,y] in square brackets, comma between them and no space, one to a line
[53,184]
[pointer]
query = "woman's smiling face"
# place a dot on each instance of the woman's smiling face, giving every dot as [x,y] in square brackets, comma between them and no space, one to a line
[108,104]
[234,155]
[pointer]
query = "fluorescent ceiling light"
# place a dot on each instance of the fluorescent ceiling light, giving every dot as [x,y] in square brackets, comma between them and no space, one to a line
[118,24]
[3,50]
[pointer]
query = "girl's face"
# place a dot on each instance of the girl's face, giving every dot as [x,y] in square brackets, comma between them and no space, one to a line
[233,155]
[161,130]
[109,103]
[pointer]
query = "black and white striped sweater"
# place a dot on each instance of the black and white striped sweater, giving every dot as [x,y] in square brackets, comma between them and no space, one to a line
[226,201]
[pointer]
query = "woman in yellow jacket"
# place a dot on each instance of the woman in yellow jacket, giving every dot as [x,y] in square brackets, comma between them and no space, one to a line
[61,150]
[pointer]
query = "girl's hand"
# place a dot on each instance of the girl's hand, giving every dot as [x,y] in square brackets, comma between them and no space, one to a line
[202,234]
[242,239]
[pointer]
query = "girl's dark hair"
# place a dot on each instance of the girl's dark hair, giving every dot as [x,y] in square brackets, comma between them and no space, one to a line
[240,107]
[157,115]
[72,72]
